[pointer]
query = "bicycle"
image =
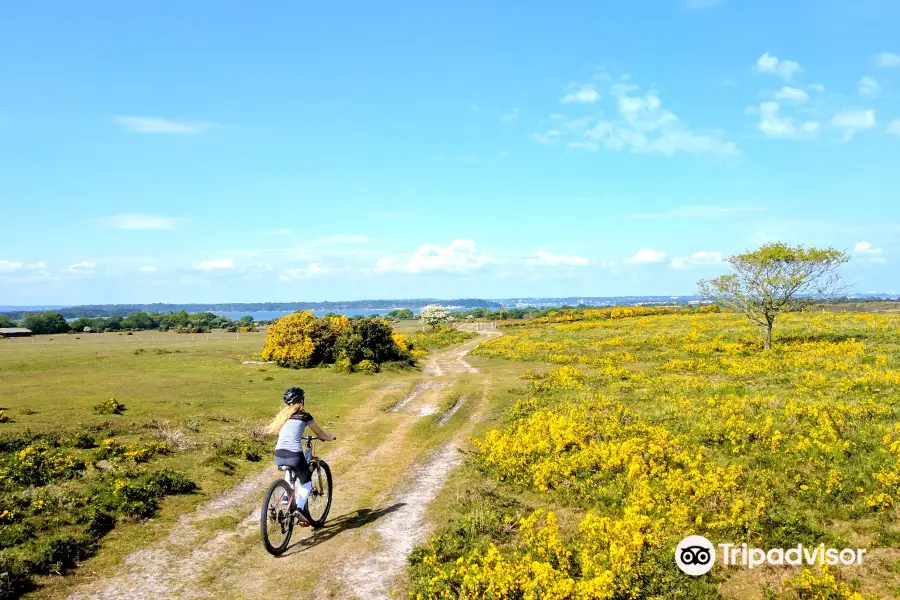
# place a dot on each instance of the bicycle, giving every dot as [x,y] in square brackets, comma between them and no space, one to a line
[279,511]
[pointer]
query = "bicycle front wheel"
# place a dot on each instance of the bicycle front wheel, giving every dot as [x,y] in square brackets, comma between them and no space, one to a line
[275,520]
[319,502]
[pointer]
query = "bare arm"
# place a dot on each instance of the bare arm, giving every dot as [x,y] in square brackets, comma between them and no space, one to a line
[321,433]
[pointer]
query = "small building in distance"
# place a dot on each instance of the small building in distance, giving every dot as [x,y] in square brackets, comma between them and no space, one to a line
[6,332]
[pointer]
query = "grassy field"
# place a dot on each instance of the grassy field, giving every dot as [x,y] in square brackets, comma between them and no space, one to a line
[193,408]
[629,434]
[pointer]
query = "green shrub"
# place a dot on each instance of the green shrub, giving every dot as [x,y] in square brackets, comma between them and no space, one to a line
[367,367]
[13,534]
[343,365]
[113,450]
[38,464]
[110,406]
[191,330]
[14,579]
[302,340]
[44,532]
[246,448]
[137,494]
[83,441]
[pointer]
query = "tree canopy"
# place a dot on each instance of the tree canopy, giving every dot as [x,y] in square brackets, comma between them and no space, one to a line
[45,322]
[776,278]
[434,315]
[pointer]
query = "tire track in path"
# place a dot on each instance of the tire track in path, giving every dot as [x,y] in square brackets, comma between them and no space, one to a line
[363,561]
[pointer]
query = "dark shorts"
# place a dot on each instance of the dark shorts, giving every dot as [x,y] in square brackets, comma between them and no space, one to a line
[294,460]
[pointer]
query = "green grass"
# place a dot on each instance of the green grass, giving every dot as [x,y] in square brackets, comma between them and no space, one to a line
[190,394]
[439,338]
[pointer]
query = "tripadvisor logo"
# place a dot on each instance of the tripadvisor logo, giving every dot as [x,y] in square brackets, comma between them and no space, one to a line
[696,555]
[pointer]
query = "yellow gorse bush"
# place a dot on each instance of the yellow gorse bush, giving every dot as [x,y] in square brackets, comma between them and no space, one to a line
[303,340]
[674,423]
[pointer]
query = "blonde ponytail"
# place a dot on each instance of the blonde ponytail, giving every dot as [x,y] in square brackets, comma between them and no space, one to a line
[282,417]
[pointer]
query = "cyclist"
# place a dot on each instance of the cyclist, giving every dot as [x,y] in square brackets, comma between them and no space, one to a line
[290,424]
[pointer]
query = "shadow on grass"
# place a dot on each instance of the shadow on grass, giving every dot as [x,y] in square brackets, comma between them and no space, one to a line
[817,337]
[340,524]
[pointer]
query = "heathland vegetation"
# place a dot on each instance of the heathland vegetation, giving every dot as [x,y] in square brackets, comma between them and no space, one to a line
[647,425]
[630,428]
[96,435]
[365,344]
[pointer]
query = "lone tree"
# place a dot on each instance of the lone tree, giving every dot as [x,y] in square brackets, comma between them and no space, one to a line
[777,278]
[434,315]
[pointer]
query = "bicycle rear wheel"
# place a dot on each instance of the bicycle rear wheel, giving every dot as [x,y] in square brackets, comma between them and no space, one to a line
[319,502]
[275,520]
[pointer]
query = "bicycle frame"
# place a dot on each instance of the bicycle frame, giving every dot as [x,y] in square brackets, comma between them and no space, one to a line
[290,476]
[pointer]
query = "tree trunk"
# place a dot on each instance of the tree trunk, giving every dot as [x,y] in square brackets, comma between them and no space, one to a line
[767,344]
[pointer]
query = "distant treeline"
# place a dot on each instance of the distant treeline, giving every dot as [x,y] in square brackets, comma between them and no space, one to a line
[182,321]
[130,316]
[109,310]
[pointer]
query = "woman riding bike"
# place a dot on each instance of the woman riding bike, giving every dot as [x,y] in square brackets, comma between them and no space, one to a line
[290,423]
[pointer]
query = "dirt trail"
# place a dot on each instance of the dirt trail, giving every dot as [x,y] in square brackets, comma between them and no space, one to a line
[370,576]
[377,518]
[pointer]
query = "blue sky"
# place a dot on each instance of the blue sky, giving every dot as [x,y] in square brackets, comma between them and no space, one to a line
[220,151]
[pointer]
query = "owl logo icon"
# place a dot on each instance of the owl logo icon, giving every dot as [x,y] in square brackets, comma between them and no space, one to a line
[695,555]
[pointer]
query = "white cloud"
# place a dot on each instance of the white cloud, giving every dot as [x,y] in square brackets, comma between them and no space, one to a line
[212,265]
[888,60]
[786,69]
[546,259]
[865,251]
[852,122]
[701,258]
[547,136]
[307,272]
[139,221]
[586,95]
[147,269]
[8,266]
[645,127]
[511,115]
[461,256]
[868,87]
[816,87]
[774,124]
[646,256]
[791,93]
[810,126]
[135,124]
[83,267]
[696,212]
[894,127]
